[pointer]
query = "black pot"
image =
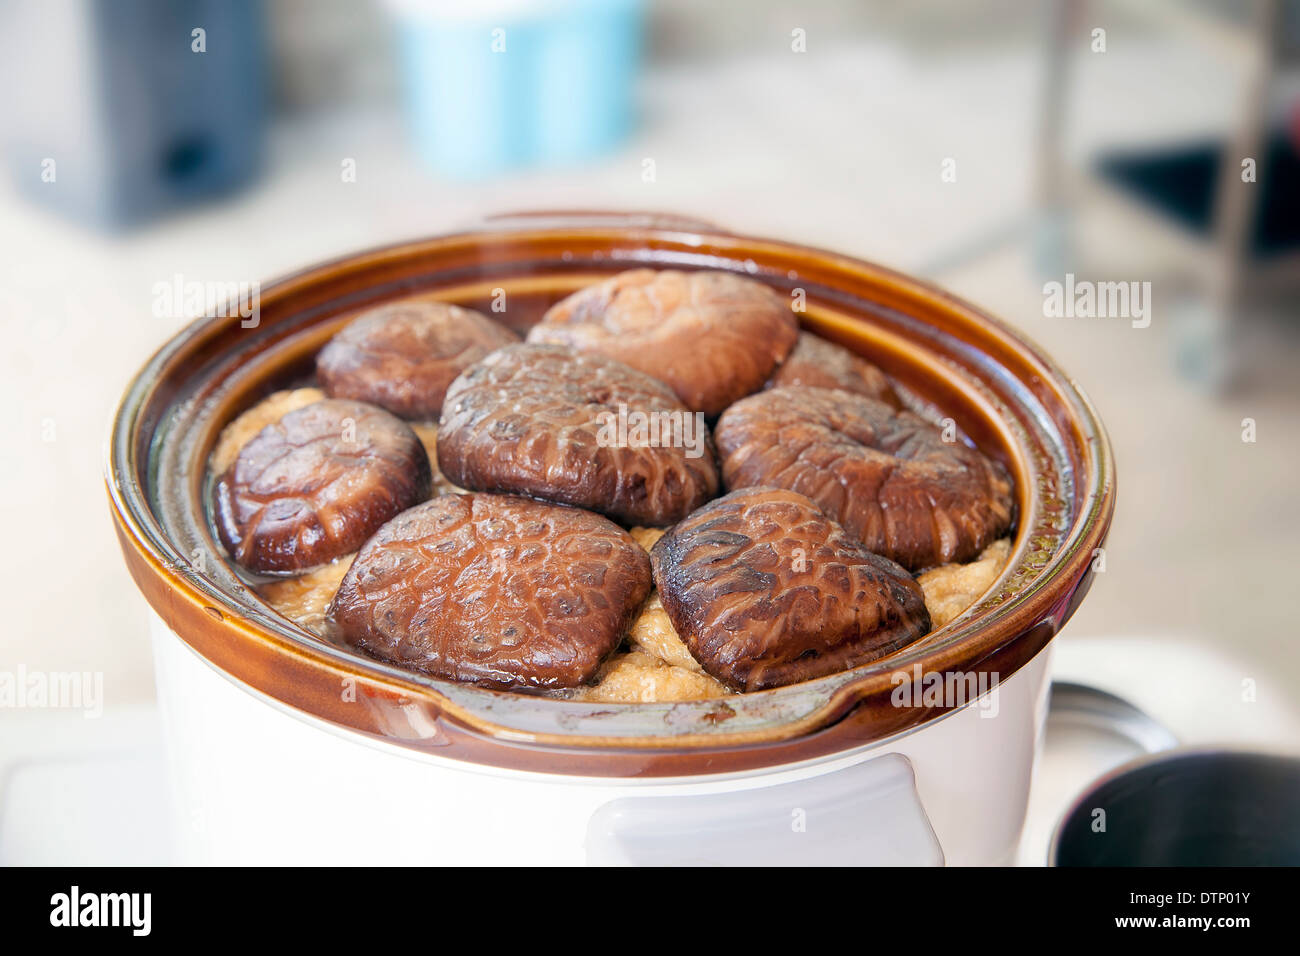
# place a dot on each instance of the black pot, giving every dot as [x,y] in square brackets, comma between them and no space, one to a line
[1187,808]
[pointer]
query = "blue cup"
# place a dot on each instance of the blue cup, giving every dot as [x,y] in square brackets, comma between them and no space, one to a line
[525,84]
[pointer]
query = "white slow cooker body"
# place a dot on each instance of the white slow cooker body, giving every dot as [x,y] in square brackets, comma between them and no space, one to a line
[259,783]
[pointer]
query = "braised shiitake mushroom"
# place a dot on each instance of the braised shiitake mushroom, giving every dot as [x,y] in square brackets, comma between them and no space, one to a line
[712,336]
[314,485]
[403,356]
[888,477]
[822,364]
[544,421]
[765,590]
[496,590]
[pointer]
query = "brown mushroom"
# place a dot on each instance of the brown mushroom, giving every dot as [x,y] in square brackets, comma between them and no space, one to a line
[712,336]
[314,485]
[822,364]
[765,590]
[579,429]
[495,590]
[888,477]
[403,356]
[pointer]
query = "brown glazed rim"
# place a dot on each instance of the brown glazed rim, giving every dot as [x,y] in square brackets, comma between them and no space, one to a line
[1002,391]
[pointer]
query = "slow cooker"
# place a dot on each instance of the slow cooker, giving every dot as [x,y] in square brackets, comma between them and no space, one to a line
[288,749]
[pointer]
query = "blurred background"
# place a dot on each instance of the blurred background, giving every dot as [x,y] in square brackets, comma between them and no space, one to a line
[990,145]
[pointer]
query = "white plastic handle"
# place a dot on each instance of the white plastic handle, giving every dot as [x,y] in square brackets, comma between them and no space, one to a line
[865,815]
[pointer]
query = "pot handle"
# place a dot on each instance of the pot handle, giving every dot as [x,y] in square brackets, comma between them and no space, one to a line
[579,218]
[868,814]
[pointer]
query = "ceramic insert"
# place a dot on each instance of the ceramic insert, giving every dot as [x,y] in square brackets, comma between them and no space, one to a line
[517,575]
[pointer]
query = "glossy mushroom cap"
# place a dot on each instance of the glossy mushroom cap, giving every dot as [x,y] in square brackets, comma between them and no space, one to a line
[821,364]
[495,590]
[316,484]
[765,590]
[713,337]
[889,477]
[579,429]
[403,356]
